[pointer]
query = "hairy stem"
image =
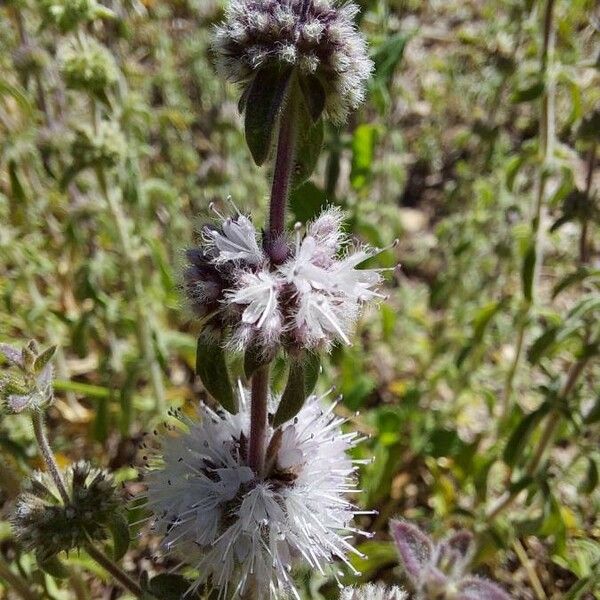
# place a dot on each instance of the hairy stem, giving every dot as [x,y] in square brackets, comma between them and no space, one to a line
[258,419]
[284,165]
[106,563]
[546,138]
[39,429]
[17,585]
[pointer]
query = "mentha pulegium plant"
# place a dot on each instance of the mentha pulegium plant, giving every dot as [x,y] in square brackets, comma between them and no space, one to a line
[246,496]
[440,571]
[236,526]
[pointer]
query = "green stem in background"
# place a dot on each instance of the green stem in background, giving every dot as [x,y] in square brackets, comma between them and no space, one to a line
[17,585]
[546,145]
[552,421]
[136,293]
[113,569]
[39,430]
[583,241]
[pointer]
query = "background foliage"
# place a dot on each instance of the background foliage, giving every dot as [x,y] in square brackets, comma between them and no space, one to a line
[477,376]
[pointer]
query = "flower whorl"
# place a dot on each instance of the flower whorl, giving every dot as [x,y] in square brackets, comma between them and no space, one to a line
[42,522]
[317,37]
[235,525]
[308,301]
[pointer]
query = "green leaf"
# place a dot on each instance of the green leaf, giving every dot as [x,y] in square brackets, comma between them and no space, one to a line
[308,147]
[387,57]
[263,107]
[254,359]
[589,130]
[363,153]
[307,201]
[18,95]
[520,436]
[593,416]
[212,369]
[44,358]
[529,93]
[312,367]
[53,566]
[119,529]
[314,96]
[168,586]
[528,271]
[301,370]
[591,477]
[571,279]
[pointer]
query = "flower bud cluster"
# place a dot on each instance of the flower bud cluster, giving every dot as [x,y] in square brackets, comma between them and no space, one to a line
[69,14]
[28,383]
[308,298]
[374,592]
[440,571]
[316,37]
[235,525]
[104,147]
[90,68]
[43,523]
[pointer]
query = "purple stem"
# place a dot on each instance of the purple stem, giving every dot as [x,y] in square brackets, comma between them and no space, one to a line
[284,166]
[258,419]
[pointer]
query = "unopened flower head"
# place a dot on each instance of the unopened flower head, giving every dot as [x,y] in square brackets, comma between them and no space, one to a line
[44,523]
[90,68]
[237,526]
[318,38]
[440,571]
[309,300]
[372,591]
[104,146]
[68,14]
[27,385]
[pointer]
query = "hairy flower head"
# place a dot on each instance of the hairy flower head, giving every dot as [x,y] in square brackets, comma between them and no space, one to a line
[43,523]
[317,38]
[235,525]
[308,300]
[27,385]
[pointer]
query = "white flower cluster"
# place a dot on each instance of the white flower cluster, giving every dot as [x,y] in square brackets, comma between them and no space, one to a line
[309,300]
[374,592]
[317,37]
[236,526]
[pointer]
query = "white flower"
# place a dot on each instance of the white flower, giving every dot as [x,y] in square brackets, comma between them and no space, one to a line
[374,592]
[236,241]
[236,527]
[261,317]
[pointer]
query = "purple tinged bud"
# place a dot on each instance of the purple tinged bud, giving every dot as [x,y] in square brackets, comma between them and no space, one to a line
[415,548]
